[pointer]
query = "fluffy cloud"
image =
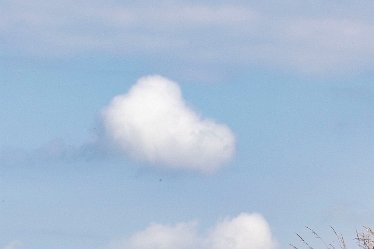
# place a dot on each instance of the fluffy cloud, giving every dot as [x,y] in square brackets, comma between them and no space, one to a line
[246,231]
[243,232]
[153,123]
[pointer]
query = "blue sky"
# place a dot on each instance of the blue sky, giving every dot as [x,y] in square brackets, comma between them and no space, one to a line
[279,97]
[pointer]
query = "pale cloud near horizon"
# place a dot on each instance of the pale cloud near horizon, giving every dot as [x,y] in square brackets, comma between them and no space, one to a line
[13,245]
[152,123]
[247,230]
[196,33]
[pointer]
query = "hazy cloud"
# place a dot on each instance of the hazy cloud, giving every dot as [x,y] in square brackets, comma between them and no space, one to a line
[153,123]
[316,36]
[242,232]
[54,151]
[13,245]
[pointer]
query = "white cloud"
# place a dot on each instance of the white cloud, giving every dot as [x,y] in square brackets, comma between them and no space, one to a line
[156,236]
[243,232]
[153,123]
[13,245]
[246,231]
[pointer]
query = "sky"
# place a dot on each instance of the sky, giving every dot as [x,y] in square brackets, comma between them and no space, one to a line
[184,124]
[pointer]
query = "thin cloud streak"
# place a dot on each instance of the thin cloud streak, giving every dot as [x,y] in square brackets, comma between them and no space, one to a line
[222,34]
[54,151]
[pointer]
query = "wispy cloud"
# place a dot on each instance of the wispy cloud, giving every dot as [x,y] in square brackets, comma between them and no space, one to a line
[54,151]
[153,123]
[288,36]
[241,232]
